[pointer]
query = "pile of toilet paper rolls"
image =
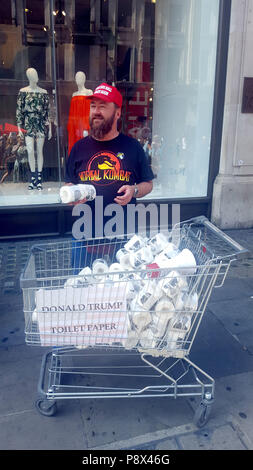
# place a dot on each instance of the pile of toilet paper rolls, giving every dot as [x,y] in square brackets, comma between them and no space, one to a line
[155,275]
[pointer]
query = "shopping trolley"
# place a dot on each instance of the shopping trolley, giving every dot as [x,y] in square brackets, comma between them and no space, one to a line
[123,327]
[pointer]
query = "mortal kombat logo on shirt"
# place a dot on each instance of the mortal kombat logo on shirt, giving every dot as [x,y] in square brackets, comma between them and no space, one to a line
[105,168]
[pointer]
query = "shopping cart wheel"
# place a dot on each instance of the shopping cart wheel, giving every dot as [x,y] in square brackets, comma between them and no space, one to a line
[46,407]
[203,411]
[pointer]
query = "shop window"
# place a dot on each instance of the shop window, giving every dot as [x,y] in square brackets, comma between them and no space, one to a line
[160,54]
[27,107]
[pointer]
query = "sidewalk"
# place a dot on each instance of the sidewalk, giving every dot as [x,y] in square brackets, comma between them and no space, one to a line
[223,348]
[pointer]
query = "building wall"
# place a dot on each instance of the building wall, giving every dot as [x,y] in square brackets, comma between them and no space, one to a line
[233,188]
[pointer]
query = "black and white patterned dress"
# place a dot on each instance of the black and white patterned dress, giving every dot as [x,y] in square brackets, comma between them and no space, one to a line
[32,112]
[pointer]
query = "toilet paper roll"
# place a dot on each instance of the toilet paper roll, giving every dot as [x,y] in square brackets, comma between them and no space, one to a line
[85,275]
[164,305]
[191,302]
[141,257]
[188,302]
[178,327]
[35,316]
[180,322]
[180,301]
[123,257]
[185,261]
[174,340]
[130,291]
[173,284]
[147,339]
[135,278]
[149,295]
[99,268]
[135,243]
[164,311]
[77,192]
[170,250]
[141,318]
[74,282]
[85,272]
[158,242]
[132,340]
[116,272]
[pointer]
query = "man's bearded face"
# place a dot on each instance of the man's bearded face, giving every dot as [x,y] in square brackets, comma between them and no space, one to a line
[101,123]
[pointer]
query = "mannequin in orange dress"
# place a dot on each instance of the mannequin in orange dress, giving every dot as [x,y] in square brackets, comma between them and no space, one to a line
[78,122]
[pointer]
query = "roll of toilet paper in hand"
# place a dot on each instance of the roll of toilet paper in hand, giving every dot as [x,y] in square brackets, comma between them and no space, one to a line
[74,193]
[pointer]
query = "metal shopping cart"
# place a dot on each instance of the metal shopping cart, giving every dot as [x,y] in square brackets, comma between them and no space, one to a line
[124,329]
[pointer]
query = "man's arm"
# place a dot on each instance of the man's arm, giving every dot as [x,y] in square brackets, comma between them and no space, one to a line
[127,192]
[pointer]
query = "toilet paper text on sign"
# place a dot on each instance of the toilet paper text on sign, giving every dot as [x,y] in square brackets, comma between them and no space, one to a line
[82,316]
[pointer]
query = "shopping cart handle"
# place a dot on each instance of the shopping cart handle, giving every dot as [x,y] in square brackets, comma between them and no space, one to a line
[240,250]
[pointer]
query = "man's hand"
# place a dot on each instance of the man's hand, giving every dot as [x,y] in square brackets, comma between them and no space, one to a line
[143,188]
[127,193]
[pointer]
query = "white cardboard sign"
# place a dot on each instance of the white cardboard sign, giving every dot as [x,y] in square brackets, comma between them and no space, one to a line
[82,316]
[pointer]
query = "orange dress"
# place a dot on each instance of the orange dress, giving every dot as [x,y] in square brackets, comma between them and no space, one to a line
[78,119]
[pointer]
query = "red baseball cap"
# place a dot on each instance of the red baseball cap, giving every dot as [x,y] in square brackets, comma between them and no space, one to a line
[107,93]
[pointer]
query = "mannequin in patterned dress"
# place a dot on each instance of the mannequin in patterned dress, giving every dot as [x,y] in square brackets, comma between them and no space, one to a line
[78,122]
[33,116]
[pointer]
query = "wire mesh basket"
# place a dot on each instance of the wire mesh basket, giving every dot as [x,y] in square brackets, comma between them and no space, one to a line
[137,292]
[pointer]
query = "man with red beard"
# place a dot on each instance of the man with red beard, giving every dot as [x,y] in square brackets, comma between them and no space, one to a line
[111,161]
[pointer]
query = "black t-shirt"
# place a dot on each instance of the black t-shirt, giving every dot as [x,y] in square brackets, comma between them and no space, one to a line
[108,165]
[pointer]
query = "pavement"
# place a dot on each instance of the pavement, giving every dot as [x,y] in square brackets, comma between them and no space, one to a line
[223,348]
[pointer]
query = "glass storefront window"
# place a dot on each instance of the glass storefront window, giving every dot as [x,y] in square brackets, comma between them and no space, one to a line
[28,150]
[161,54]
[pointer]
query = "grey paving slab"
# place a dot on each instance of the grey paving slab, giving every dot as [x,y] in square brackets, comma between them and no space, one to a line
[236,314]
[234,396]
[18,380]
[28,430]
[221,434]
[220,438]
[232,289]
[120,419]
[216,351]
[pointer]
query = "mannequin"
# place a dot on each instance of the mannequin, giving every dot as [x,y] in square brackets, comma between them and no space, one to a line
[33,116]
[78,123]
